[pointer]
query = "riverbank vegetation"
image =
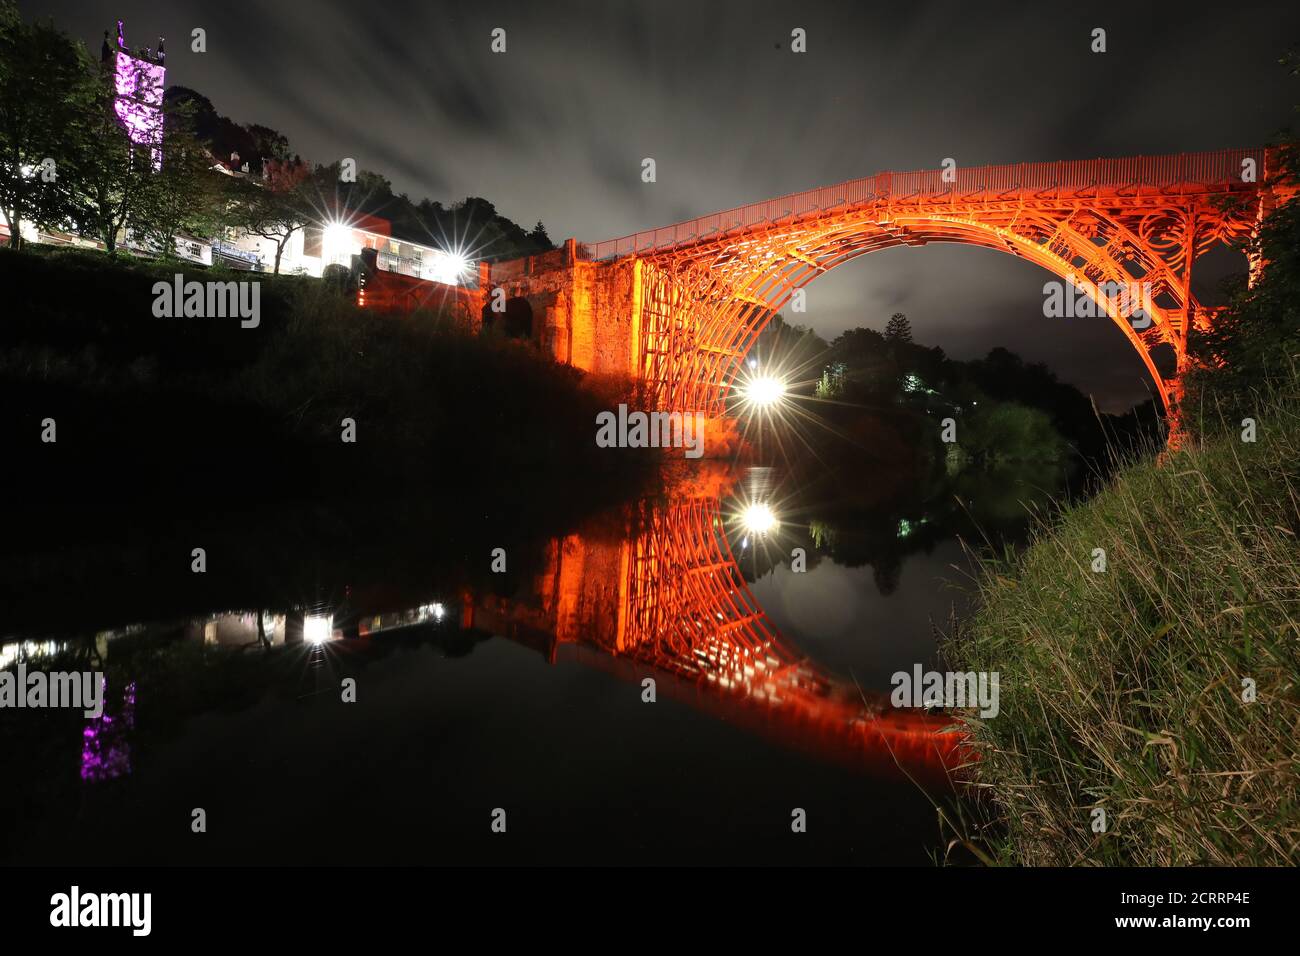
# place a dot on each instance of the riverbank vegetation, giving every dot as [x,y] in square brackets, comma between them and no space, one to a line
[1148,640]
[142,404]
[885,394]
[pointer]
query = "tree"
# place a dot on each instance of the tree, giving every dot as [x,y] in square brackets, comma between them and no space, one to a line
[898,329]
[268,144]
[46,84]
[793,349]
[539,238]
[224,137]
[183,195]
[112,173]
[831,384]
[1257,336]
[870,369]
[279,206]
[1008,431]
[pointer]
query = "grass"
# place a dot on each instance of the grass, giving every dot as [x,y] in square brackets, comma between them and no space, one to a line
[1123,690]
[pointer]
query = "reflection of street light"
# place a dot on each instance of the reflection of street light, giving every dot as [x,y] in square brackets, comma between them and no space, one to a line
[765,390]
[317,628]
[758,518]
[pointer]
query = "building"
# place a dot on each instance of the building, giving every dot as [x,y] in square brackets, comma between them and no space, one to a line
[342,238]
[139,79]
[336,241]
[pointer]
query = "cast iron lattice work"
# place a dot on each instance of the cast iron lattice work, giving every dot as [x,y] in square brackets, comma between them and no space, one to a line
[687,611]
[710,285]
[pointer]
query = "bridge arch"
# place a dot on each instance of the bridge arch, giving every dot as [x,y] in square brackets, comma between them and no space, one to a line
[515,322]
[735,308]
[708,287]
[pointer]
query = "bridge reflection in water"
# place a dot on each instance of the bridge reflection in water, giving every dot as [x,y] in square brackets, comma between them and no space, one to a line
[667,601]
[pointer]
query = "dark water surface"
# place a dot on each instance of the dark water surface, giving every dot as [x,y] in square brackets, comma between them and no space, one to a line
[520,691]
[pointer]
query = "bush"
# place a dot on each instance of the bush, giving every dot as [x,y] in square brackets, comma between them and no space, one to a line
[1006,431]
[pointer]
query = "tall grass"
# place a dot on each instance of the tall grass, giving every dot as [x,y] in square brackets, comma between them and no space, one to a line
[1123,690]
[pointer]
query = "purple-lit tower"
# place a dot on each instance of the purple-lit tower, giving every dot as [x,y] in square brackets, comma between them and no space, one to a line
[138,79]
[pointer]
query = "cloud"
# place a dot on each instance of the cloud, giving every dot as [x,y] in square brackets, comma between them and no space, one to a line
[556,128]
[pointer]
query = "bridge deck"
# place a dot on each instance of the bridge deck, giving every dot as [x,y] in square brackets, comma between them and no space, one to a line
[1178,173]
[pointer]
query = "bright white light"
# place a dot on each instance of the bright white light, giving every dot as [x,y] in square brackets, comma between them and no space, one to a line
[338,242]
[337,246]
[317,628]
[758,519]
[765,390]
[448,267]
[337,234]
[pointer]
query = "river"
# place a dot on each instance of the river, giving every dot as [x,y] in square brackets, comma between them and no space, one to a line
[698,675]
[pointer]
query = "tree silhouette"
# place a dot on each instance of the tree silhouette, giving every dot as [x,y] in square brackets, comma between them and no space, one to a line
[539,238]
[47,84]
[898,329]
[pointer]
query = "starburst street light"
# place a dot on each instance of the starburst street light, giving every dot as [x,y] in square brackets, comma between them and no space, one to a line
[764,390]
[449,268]
[337,245]
[338,233]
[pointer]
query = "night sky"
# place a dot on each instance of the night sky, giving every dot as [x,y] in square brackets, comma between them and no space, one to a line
[556,128]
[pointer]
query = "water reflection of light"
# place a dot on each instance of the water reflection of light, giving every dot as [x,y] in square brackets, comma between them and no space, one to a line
[431,613]
[317,628]
[758,518]
[105,747]
[10,653]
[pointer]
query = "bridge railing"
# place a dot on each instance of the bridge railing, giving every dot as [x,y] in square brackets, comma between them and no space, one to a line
[1172,173]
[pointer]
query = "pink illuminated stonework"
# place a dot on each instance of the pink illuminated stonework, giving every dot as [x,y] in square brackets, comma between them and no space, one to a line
[139,87]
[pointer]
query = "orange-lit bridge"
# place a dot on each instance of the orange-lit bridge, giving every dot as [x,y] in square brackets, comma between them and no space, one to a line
[679,306]
[667,600]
